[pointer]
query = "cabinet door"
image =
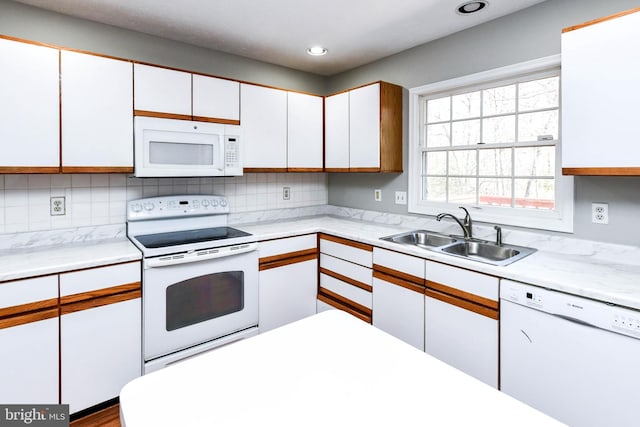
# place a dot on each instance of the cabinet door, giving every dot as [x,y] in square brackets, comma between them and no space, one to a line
[336,126]
[287,294]
[161,90]
[600,92]
[399,311]
[364,127]
[97,113]
[217,99]
[30,107]
[264,127]
[100,351]
[463,339]
[304,132]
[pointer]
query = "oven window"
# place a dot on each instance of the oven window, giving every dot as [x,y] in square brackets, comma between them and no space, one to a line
[204,298]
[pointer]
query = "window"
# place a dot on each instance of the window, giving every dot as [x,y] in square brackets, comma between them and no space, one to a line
[491,141]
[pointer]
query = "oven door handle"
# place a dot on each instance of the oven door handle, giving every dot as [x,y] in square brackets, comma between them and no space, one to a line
[197,256]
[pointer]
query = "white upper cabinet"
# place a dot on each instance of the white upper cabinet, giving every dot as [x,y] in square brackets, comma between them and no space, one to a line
[304,132]
[97,113]
[30,108]
[337,131]
[216,98]
[162,90]
[364,127]
[600,94]
[264,127]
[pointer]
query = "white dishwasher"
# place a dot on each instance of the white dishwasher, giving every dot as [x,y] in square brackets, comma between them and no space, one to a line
[575,359]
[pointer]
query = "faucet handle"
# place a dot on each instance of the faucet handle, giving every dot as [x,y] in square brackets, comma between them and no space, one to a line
[498,234]
[467,216]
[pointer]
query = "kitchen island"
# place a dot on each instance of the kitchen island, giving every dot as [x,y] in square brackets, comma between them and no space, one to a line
[328,369]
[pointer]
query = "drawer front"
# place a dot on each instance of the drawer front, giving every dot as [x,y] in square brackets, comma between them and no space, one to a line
[401,263]
[27,291]
[358,255]
[78,282]
[344,268]
[464,280]
[346,290]
[271,248]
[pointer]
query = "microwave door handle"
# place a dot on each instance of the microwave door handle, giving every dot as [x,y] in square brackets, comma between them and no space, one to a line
[204,255]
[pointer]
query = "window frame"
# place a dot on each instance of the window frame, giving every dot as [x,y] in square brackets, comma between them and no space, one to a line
[558,219]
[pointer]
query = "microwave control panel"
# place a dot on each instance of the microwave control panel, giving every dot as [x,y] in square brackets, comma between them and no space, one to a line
[232,154]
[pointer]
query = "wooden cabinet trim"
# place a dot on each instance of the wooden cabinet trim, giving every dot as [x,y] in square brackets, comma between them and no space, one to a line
[457,293]
[347,242]
[100,293]
[264,170]
[299,170]
[216,120]
[23,319]
[464,304]
[87,304]
[287,259]
[390,127]
[97,169]
[399,274]
[342,170]
[346,279]
[588,171]
[345,304]
[399,282]
[157,114]
[366,170]
[29,307]
[604,18]
[29,169]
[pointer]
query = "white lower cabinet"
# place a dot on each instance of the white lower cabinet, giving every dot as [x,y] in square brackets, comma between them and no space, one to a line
[461,320]
[100,352]
[29,341]
[398,295]
[288,280]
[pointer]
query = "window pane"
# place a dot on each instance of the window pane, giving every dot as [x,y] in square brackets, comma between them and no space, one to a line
[462,190]
[499,130]
[438,135]
[495,162]
[494,191]
[466,105]
[436,189]
[466,132]
[534,193]
[499,100]
[539,94]
[533,125]
[438,110]
[436,163]
[535,161]
[462,162]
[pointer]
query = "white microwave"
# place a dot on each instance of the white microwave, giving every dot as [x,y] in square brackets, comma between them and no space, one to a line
[168,147]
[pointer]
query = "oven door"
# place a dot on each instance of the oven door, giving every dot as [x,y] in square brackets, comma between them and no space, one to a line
[189,303]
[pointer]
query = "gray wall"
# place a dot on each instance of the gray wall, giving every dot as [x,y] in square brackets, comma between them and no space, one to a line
[27,22]
[528,34]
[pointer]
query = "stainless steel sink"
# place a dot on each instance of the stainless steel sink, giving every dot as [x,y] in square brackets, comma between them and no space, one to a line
[421,238]
[472,249]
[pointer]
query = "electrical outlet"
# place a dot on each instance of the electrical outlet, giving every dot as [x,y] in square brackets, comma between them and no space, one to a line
[401,197]
[286,193]
[377,195]
[57,206]
[600,213]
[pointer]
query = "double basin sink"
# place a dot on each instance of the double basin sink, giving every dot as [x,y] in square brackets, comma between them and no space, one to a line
[473,249]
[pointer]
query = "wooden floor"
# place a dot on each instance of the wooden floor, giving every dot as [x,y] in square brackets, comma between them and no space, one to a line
[109,417]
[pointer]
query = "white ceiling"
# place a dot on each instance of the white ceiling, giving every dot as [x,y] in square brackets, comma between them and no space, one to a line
[355,32]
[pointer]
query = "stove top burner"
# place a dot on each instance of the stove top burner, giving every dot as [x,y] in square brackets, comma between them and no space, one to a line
[175,238]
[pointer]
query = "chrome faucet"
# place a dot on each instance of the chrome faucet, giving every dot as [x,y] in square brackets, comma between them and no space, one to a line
[466,224]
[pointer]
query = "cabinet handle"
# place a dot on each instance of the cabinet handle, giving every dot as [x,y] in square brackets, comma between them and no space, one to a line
[464,304]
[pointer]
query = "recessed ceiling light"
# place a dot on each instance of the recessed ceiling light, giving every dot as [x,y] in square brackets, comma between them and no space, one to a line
[317,51]
[471,7]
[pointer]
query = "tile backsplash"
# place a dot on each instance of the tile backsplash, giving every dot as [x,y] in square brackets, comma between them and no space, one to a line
[100,199]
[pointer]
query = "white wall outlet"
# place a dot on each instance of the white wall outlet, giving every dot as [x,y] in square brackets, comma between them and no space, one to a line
[600,213]
[401,197]
[286,193]
[57,206]
[377,195]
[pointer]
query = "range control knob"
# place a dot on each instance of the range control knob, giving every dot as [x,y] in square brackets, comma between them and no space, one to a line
[136,207]
[149,206]
[204,203]
[214,202]
[223,202]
